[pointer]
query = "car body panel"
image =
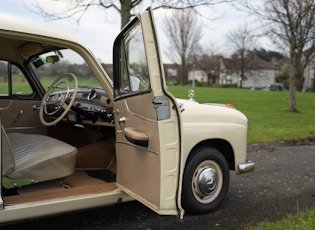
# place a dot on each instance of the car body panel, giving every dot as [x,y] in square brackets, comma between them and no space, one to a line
[22,117]
[41,209]
[203,122]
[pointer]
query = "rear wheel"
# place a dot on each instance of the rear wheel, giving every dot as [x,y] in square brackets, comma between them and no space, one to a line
[206,181]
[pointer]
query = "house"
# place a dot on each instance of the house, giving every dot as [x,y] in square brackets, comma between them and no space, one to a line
[171,73]
[197,75]
[309,76]
[258,73]
[194,74]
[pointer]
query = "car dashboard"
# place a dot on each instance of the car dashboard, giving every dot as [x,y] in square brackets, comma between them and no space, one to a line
[91,107]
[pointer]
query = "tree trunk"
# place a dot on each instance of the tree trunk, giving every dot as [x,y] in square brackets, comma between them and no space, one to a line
[183,71]
[183,76]
[293,107]
[126,6]
[209,78]
[242,67]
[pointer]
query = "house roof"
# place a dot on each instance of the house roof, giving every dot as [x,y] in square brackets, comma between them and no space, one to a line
[254,63]
[258,63]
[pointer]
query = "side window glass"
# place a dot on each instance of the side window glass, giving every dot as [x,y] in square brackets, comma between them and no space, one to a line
[4,85]
[13,81]
[134,71]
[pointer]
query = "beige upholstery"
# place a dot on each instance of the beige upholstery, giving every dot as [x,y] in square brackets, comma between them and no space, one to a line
[7,156]
[36,157]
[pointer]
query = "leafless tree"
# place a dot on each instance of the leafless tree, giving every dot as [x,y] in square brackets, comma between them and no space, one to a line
[208,60]
[184,33]
[126,8]
[290,23]
[242,40]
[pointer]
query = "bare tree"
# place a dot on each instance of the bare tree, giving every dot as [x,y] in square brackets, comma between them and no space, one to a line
[291,24]
[126,8]
[242,40]
[208,60]
[184,34]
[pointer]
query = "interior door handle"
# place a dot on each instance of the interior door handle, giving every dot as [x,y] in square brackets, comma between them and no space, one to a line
[136,137]
[19,115]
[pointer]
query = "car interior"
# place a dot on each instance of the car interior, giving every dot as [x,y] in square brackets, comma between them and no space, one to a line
[57,124]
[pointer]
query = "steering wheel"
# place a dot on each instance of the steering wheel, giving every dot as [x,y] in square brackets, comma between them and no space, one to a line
[55,98]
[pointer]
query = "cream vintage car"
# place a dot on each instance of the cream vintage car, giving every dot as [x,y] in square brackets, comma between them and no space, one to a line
[72,139]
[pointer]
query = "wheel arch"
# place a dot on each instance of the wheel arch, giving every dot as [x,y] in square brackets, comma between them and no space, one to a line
[221,145]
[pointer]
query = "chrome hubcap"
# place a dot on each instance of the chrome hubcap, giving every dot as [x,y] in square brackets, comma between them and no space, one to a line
[207,181]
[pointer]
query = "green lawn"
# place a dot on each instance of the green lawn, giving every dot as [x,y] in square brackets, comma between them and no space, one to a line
[302,221]
[268,112]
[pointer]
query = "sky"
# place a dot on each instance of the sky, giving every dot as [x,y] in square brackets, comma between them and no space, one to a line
[98,29]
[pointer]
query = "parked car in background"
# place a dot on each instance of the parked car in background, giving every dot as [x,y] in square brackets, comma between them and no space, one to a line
[272,87]
[72,139]
[309,90]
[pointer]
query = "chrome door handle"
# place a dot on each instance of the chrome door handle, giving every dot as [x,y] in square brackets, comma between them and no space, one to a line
[122,121]
[36,107]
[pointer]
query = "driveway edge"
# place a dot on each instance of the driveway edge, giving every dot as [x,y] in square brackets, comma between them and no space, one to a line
[274,145]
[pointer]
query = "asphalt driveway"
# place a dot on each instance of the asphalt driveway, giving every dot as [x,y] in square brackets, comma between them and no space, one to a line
[282,184]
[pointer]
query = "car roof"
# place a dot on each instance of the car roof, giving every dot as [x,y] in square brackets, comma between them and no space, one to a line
[20,40]
[29,28]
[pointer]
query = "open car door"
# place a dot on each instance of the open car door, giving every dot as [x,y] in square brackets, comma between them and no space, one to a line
[147,119]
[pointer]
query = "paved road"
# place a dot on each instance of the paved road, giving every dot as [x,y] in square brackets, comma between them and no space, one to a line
[282,184]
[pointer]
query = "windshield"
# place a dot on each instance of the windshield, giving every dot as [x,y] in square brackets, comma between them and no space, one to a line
[49,66]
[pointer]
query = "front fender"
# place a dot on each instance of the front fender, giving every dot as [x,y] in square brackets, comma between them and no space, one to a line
[234,134]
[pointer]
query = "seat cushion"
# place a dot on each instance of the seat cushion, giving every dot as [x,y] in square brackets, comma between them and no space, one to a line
[40,158]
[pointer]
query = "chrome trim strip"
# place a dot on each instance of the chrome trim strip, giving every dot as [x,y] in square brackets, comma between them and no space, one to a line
[137,115]
[23,128]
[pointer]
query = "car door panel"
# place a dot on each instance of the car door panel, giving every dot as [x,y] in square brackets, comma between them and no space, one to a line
[136,161]
[147,121]
[21,116]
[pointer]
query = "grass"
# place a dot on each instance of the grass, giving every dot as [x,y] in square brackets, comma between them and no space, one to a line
[269,120]
[21,86]
[302,221]
[268,112]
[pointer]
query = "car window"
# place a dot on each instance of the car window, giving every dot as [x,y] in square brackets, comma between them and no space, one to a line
[134,74]
[49,66]
[12,80]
